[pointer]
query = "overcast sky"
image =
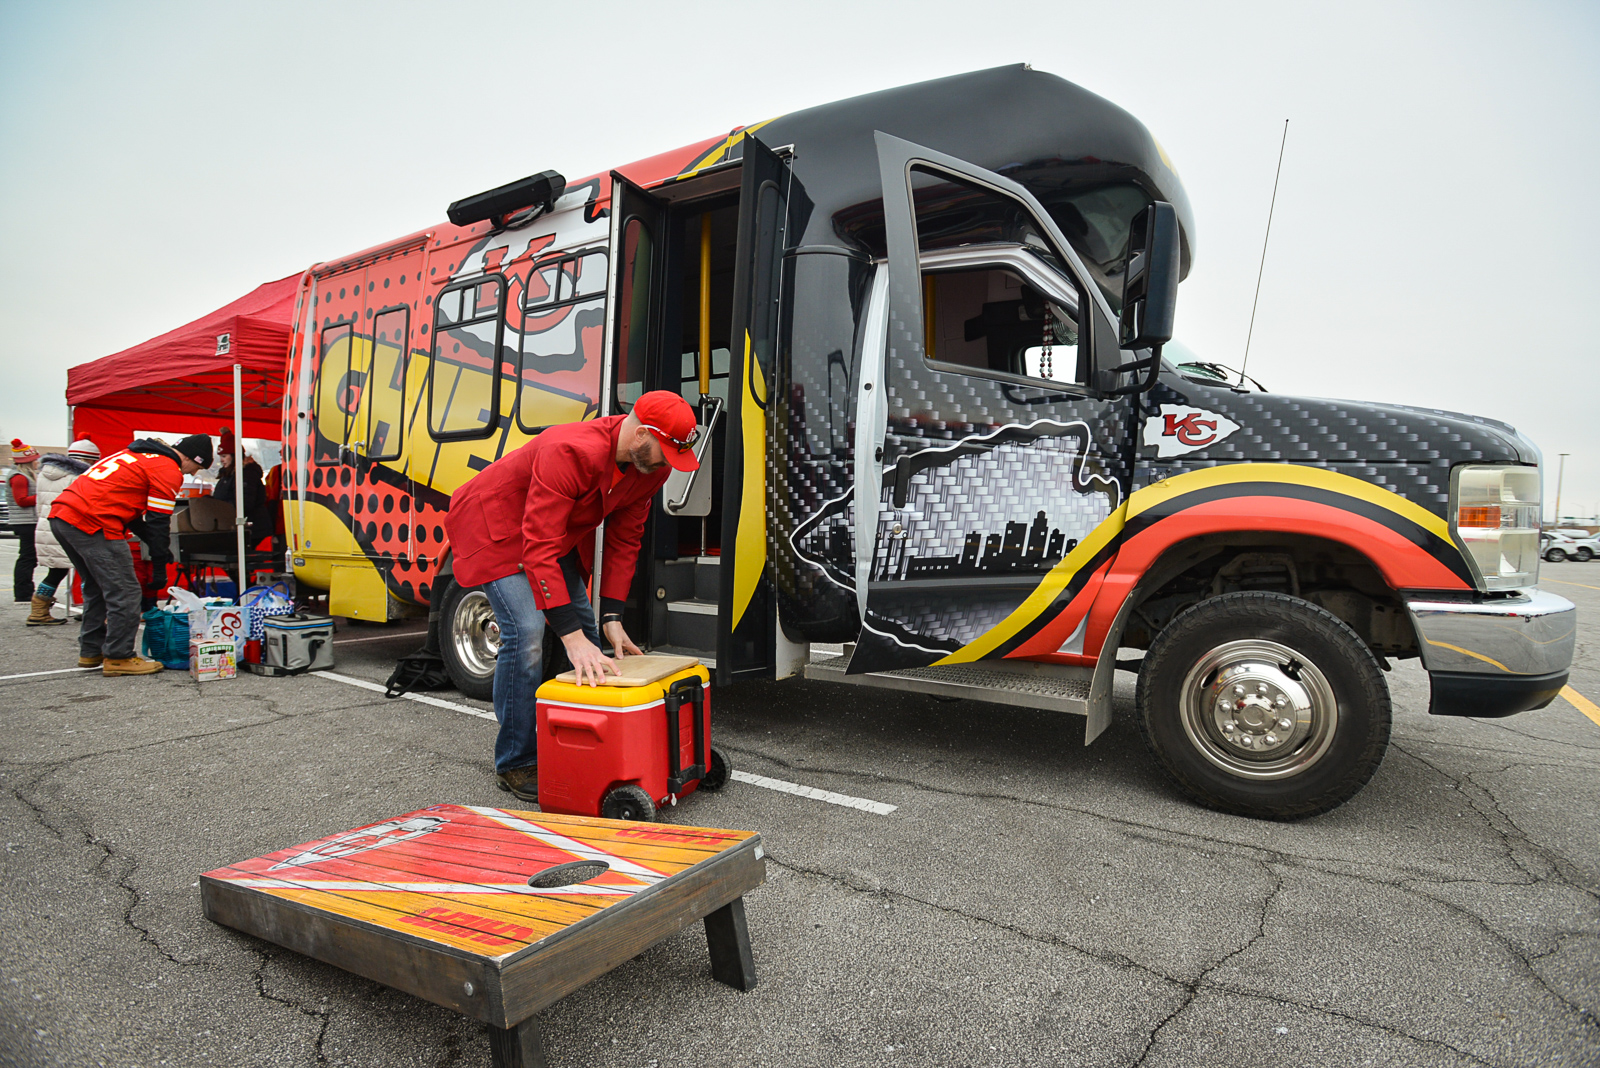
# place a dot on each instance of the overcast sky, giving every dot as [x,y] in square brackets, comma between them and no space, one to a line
[1434,242]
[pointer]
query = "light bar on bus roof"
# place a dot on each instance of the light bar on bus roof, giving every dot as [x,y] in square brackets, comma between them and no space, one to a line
[539,191]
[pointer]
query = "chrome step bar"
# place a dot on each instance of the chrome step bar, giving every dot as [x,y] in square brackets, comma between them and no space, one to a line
[1027,684]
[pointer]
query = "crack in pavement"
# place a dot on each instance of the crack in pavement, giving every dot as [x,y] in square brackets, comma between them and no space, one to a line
[278,717]
[322,1014]
[1200,980]
[1191,988]
[1405,881]
[1119,960]
[1133,827]
[118,869]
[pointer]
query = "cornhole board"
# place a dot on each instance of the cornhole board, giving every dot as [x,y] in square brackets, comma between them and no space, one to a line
[640,670]
[440,903]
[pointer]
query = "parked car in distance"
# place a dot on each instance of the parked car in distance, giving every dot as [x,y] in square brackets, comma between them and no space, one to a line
[1556,546]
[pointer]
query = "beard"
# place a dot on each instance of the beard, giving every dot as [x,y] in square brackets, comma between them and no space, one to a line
[639,457]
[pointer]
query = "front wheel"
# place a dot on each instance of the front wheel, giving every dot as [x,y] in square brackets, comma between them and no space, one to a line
[1264,705]
[628,802]
[1585,555]
[469,639]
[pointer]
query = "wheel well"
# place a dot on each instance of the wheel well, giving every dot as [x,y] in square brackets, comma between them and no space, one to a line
[1326,573]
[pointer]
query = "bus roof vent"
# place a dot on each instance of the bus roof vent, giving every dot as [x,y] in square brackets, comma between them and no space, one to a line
[537,193]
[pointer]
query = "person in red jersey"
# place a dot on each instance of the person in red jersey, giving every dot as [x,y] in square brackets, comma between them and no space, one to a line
[524,528]
[136,490]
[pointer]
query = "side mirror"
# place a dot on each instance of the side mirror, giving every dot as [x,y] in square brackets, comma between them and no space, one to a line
[1150,284]
[1149,297]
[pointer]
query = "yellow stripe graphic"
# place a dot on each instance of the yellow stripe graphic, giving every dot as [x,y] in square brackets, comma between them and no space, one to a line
[1143,500]
[718,154]
[1290,474]
[750,549]
[1043,594]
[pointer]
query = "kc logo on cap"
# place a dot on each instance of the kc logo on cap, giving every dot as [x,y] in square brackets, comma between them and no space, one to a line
[668,416]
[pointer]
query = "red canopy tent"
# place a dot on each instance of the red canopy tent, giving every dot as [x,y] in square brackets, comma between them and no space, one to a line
[182,381]
[226,367]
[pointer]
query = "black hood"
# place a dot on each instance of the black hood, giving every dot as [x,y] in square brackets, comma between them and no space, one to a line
[1406,449]
[159,448]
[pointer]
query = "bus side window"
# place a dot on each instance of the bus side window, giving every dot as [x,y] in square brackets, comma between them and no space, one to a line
[337,393]
[386,383]
[563,327]
[464,379]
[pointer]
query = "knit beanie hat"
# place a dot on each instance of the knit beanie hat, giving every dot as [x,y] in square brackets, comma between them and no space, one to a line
[22,454]
[84,449]
[196,447]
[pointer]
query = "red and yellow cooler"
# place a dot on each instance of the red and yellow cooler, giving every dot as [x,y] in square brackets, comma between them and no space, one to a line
[609,750]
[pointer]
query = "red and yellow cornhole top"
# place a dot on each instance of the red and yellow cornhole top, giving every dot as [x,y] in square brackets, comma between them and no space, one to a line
[459,874]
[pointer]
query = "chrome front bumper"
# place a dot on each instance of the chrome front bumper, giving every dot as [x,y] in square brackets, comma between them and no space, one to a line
[1494,657]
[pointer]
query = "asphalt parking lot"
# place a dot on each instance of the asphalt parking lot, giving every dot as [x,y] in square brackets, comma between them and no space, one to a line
[1027,901]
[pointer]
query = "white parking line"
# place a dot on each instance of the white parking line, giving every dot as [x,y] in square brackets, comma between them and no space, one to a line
[382,637]
[876,807]
[59,671]
[420,698]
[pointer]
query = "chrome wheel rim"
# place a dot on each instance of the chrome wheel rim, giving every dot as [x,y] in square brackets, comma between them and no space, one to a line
[475,633]
[1258,710]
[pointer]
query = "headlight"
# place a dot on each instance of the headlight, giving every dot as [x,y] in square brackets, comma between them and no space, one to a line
[1494,514]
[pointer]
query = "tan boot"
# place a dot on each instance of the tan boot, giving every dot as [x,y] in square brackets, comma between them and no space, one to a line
[132,665]
[90,661]
[40,616]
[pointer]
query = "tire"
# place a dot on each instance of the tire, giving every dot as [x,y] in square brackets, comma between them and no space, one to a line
[1264,647]
[469,638]
[1584,555]
[716,776]
[1556,556]
[628,802]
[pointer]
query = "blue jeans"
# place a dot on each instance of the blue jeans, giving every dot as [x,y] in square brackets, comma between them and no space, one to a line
[519,668]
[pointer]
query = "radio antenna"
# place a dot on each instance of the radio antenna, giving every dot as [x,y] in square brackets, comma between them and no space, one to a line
[1262,270]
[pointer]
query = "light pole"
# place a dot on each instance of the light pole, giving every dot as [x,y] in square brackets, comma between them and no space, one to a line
[1560,470]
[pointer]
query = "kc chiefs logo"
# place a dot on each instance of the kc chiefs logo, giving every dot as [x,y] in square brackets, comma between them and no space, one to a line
[1178,429]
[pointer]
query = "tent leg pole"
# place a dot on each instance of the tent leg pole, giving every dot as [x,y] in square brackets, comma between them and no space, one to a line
[238,475]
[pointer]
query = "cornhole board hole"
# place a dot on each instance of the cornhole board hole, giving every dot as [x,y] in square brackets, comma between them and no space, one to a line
[496,913]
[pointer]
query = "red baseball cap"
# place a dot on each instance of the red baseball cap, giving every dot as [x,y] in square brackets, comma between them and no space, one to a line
[669,417]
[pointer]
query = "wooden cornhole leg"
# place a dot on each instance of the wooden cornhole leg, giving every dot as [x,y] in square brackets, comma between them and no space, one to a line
[728,938]
[517,1047]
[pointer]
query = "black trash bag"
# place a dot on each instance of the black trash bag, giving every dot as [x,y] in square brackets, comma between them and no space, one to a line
[421,670]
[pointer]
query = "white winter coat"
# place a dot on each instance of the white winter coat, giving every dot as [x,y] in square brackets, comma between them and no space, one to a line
[55,474]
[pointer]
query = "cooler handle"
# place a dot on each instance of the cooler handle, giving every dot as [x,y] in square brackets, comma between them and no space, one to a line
[692,691]
[593,722]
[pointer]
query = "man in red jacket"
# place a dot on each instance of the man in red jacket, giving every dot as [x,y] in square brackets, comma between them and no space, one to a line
[136,488]
[523,529]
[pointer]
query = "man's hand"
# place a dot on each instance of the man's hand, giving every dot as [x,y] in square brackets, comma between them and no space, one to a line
[621,644]
[588,662]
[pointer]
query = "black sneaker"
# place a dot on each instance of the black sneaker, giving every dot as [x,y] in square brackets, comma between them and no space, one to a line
[523,783]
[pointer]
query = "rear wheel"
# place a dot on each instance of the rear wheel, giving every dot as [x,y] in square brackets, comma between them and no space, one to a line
[1556,556]
[716,776]
[1265,705]
[469,639]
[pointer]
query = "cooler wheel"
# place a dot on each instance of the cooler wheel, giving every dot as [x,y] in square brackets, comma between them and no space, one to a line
[628,802]
[716,776]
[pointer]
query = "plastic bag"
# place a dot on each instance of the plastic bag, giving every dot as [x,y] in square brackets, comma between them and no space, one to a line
[201,612]
[262,601]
